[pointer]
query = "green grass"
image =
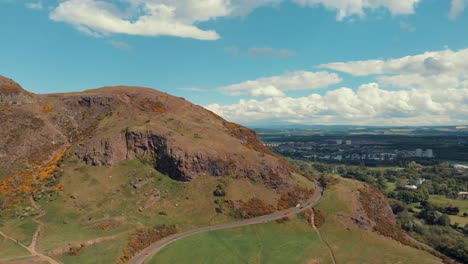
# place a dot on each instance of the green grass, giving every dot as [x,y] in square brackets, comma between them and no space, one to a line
[9,250]
[391,186]
[99,193]
[290,242]
[20,230]
[106,252]
[351,244]
[295,241]
[460,203]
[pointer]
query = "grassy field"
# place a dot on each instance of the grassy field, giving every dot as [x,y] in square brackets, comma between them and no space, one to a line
[296,242]
[106,252]
[290,242]
[351,244]
[94,196]
[9,250]
[462,204]
[20,230]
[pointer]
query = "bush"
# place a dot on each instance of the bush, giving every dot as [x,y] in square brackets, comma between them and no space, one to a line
[252,208]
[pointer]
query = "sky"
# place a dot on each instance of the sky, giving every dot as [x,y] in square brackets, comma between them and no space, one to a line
[255,62]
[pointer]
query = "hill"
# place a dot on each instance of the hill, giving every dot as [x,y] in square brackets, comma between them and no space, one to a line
[347,231]
[116,168]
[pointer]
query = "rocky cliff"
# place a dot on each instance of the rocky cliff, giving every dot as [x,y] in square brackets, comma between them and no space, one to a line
[112,124]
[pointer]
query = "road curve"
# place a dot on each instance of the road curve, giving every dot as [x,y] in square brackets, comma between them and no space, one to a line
[158,245]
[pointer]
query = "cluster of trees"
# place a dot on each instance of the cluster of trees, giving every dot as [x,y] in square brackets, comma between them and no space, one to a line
[428,222]
[432,226]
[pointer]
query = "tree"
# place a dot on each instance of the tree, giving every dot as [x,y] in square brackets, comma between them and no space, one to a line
[443,220]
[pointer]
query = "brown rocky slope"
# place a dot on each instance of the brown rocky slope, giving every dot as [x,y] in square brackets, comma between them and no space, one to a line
[112,124]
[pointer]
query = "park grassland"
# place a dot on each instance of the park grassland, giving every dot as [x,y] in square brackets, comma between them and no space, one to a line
[351,244]
[295,241]
[106,252]
[10,250]
[95,195]
[460,203]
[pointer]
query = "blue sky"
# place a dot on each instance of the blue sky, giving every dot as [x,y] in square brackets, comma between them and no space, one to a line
[207,51]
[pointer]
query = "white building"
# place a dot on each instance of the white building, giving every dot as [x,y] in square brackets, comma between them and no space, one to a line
[411,187]
[419,152]
[339,141]
[428,153]
[420,181]
[348,142]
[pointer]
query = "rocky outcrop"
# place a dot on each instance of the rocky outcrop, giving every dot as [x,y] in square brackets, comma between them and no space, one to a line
[13,93]
[379,215]
[112,124]
[175,162]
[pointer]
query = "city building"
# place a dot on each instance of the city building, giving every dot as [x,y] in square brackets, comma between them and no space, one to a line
[419,152]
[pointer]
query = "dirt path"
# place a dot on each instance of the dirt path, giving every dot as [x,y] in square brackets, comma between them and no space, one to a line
[158,245]
[40,227]
[62,250]
[330,251]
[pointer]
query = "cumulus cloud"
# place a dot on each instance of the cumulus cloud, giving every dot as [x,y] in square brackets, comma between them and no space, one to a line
[457,7]
[276,85]
[346,8]
[150,17]
[153,17]
[370,104]
[428,63]
[426,89]
[180,18]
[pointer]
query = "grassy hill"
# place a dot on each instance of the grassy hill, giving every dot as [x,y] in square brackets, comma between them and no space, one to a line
[296,241]
[96,176]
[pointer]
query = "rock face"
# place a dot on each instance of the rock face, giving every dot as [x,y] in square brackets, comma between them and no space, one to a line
[13,93]
[112,124]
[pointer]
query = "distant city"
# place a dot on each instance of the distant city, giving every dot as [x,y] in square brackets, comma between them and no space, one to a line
[343,149]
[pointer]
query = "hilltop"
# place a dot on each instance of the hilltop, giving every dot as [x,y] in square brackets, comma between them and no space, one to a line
[108,171]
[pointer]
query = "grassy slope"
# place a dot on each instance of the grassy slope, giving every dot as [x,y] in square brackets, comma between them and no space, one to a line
[106,252]
[20,230]
[353,245]
[93,195]
[290,242]
[9,249]
[295,242]
[462,204]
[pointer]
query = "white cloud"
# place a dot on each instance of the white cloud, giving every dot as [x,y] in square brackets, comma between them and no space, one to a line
[274,86]
[457,7]
[151,17]
[346,8]
[34,5]
[428,63]
[431,89]
[370,104]
[180,18]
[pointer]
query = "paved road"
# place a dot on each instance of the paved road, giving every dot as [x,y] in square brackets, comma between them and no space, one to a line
[158,245]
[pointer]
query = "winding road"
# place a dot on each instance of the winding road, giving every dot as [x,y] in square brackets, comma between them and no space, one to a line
[158,245]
